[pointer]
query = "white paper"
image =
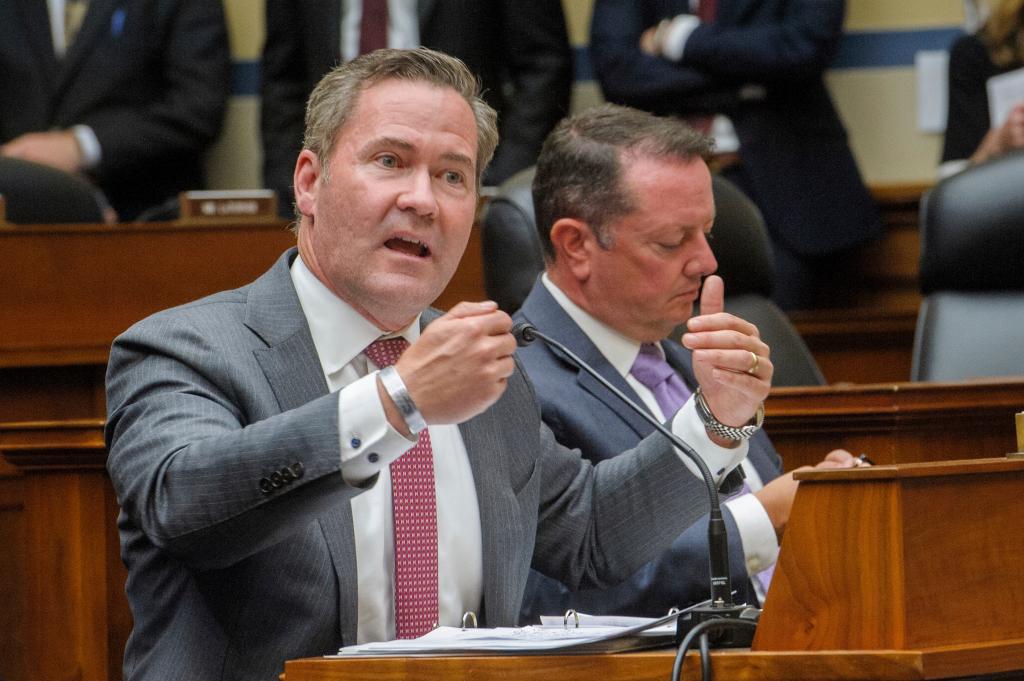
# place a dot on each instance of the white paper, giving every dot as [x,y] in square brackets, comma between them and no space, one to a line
[1004,91]
[932,89]
[594,637]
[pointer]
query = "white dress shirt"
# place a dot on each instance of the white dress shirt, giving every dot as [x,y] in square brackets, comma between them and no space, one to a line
[757,535]
[340,335]
[403,26]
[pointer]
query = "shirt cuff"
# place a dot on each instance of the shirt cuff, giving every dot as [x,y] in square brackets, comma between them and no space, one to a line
[368,442]
[88,144]
[688,427]
[676,35]
[760,543]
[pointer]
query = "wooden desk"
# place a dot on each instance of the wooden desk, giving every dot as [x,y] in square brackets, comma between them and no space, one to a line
[729,665]
[895,422]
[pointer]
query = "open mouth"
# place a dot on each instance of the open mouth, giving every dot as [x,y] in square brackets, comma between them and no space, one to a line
[408,246]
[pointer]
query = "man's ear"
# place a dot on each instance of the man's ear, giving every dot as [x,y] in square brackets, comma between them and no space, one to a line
[306,181]
[573,243]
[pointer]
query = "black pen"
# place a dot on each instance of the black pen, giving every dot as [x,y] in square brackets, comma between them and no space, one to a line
[864,459]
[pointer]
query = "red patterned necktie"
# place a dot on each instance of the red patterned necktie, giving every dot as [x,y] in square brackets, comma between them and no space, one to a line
[706,10]
[414,505]
[373,27]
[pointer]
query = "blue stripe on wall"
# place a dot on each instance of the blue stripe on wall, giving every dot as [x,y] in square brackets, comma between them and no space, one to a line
[876,49]
[245,78]
[858,50]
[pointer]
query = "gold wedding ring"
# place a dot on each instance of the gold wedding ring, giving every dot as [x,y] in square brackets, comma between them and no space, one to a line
[753,363]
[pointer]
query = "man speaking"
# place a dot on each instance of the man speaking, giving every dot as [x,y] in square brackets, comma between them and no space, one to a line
[316,459]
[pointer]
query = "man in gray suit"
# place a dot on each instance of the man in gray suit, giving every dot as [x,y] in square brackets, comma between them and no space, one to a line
[276,466]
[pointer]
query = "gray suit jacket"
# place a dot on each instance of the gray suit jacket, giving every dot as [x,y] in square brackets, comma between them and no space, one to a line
[583,414]
[228,578]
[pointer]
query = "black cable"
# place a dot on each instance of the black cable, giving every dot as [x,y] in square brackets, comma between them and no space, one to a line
[705,658]
[699,630]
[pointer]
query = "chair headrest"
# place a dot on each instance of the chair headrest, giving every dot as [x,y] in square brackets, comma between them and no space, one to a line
[972,229]
[35,193]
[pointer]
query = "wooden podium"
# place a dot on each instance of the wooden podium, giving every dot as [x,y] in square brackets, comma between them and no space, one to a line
[908,571]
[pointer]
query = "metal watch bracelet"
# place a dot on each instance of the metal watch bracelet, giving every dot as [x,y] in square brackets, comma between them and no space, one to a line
[719,428]
[395,387]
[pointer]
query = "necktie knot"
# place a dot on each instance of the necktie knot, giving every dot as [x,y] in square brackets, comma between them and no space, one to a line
[385,351]
[651,369]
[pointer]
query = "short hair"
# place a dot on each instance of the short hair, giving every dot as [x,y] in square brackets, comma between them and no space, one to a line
[336,95]
[579,171]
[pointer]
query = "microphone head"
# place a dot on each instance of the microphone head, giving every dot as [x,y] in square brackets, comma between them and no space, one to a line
[523,331]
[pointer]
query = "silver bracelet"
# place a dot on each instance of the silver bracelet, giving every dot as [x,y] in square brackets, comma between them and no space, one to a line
[395,387]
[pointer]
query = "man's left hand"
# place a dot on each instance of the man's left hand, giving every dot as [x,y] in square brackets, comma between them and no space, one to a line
[57,149]
[730,360]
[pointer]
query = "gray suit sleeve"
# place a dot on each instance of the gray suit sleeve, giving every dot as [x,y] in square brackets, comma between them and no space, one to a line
[625,510]
[188,448]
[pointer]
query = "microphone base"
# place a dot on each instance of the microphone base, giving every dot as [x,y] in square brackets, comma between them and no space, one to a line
[726,637]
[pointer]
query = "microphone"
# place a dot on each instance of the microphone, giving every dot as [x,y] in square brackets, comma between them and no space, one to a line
[721,604]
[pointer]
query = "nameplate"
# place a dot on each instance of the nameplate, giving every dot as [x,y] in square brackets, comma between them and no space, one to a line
[228,205]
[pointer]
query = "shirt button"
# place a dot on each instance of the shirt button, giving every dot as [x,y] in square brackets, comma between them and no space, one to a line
[298,469]
[265,486]
[373,457]
[355,443]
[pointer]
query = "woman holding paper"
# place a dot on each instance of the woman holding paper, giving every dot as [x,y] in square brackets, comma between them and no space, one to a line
[998,48]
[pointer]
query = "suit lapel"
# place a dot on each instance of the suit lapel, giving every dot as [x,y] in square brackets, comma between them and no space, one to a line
[96,27]
[543,311]
[293,370]
[36,21]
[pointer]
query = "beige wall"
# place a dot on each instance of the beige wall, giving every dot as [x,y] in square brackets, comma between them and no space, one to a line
[877,104]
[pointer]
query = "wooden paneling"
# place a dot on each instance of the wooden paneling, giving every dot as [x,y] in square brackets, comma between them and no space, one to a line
[65,591]
[895,423]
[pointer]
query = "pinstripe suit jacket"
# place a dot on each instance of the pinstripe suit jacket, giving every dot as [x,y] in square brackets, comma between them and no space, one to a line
[227,580]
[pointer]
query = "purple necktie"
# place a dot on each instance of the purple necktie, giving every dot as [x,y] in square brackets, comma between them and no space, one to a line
[651,369]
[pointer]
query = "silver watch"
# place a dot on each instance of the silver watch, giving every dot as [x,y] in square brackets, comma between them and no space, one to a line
[719,428]
[395,387]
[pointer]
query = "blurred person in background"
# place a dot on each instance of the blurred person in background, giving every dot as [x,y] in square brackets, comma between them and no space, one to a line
[996,48]
[128,94]
[750,72]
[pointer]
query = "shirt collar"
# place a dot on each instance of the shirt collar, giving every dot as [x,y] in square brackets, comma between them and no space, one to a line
[619,350]
[340,334]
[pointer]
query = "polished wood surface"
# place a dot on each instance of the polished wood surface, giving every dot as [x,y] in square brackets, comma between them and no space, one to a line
[895,422]
[902,557]
[65,615]
[730,665]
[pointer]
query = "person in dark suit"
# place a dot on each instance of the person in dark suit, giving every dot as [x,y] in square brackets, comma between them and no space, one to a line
[754,72]
[131,99]
[519,50]
[624,209]
[259,438]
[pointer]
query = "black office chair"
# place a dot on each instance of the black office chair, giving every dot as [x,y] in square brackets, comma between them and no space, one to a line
[971,321]
[512,259]
[35,194]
